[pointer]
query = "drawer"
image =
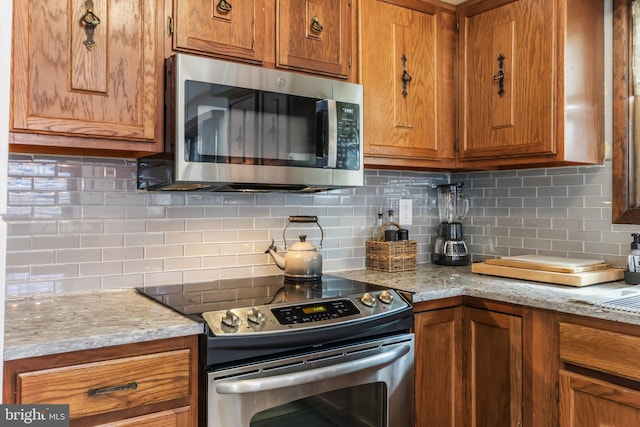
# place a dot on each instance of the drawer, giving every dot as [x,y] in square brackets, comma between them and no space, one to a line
[605,351]
[112,385]
[173,418]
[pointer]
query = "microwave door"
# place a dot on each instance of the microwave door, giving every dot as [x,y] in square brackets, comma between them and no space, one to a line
[275,144]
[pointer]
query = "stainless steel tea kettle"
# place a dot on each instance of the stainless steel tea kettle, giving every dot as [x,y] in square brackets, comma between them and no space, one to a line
[303,261]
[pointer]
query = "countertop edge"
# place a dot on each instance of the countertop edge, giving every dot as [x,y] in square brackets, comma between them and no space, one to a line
[92,343]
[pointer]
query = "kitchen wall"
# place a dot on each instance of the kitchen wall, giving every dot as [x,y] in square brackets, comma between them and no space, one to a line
[79,224]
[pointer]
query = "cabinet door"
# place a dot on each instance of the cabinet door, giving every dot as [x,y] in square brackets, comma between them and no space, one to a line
[63,85]
[407,71]
[226,28]
[507,80]
[438,368]
[493,368]
[314,35]
[587,402]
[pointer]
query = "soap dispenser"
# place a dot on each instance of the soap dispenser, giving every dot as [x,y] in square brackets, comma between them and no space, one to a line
[632,275]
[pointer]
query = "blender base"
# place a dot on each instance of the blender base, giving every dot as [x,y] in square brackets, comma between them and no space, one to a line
[454,260]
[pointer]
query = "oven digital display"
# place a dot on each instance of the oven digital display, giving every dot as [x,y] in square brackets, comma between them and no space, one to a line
[314,309]
[314,312]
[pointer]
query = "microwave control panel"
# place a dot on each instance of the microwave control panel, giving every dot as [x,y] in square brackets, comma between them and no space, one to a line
[348,155]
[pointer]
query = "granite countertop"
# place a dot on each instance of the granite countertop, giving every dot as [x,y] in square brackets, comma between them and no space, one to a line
[430,282]
[59,324]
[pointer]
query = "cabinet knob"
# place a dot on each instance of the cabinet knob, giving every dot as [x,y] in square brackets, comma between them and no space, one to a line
[224,6]
[315,25]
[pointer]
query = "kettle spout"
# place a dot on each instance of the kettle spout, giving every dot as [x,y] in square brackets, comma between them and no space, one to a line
[279,260]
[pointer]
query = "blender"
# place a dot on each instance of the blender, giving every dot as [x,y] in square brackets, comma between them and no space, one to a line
[450,247]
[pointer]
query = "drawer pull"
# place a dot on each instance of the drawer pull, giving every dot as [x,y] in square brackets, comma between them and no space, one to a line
[106,390]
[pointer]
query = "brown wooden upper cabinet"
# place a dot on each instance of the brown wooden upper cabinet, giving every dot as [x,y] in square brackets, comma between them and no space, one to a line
[531,89]
[88,69]
[407,68]
[222,28]
[305,35]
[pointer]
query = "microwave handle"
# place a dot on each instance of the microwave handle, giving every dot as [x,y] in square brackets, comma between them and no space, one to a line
[327,133]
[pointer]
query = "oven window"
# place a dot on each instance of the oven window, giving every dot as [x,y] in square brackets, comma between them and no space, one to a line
[357,406]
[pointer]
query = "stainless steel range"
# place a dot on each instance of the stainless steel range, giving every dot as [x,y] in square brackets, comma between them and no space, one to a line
[334,352]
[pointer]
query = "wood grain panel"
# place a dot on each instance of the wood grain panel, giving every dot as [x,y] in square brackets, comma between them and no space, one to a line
[411,130]
[493,368]
[587,402]
[533,30]
[300,47]
[88,68]
[439,368]
[178,417]
[124,383]
[61,87]
[502,106]
[200,27]
[611,352]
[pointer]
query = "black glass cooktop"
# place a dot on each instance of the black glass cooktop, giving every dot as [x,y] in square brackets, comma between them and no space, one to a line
[196,298]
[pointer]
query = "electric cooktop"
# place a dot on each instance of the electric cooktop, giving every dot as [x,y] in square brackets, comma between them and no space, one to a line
[196,298]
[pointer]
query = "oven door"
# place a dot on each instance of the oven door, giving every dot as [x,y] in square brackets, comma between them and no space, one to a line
[366,384]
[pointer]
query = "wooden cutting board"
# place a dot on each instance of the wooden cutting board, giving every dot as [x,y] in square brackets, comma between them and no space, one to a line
[549,263]
[585,278]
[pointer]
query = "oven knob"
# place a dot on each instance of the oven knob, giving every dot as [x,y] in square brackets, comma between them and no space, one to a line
[368,300]
[256,316]
[230,319]
[386,297]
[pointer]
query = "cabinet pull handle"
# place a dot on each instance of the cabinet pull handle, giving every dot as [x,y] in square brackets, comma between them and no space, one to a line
[112,389]
[499,76]
[406,77]
[90,22]
[315,25]
[224,6]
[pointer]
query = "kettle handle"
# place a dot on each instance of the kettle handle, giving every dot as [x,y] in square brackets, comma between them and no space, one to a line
[302,219]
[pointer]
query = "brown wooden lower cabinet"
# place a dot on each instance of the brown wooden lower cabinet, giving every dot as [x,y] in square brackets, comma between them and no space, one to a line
[600,382]
[493,368]
[588,402]
[438,368]
[485,364]
[144,384]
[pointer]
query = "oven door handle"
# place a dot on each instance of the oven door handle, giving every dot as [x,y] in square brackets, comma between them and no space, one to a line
[319,374]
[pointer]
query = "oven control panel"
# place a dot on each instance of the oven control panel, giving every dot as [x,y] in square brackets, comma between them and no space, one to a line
[315,312]
[279,318]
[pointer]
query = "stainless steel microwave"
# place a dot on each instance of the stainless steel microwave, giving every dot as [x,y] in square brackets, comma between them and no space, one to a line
[237,127]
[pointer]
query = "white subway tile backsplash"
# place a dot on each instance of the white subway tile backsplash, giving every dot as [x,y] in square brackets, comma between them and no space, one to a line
[164,278]
[78,256]
[98,269]
[220,236]
[54,272]
[165,251]
[31,257]
[183,238]
[143,266]
[182,263]
[101,240]
[79,224]
[122,254]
